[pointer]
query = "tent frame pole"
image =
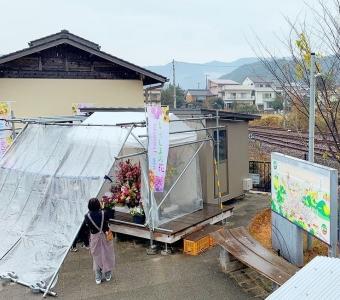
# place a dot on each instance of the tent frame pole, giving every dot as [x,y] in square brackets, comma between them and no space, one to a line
[152,248]
[62,261]
[181,174]
[191,130]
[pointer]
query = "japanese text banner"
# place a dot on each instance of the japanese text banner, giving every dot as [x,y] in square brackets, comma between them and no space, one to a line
[158,147]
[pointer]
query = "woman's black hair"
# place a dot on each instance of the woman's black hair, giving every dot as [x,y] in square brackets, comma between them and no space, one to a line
[94,204]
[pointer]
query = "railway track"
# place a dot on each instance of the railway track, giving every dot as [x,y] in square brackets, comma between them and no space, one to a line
[289,139]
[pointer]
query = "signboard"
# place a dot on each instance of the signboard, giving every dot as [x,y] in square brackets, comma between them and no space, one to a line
[158,146]
[305,193]
[5,128]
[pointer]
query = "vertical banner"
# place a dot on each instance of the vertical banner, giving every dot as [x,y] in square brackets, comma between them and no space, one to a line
[158,148]
[5,127]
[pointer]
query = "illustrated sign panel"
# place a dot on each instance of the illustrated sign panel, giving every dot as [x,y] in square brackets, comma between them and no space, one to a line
[303,193]
[5,128]
[158,148]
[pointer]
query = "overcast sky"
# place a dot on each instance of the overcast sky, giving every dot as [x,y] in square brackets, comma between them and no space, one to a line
[150,32]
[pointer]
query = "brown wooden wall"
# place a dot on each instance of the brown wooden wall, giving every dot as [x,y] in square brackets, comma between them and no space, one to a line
[64,61]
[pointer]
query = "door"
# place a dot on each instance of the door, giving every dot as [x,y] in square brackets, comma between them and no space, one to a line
[223,162]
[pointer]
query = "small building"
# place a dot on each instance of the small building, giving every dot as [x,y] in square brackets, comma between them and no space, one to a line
[62,69]
[215,86]
[233,153]
[196,97]
[265,96]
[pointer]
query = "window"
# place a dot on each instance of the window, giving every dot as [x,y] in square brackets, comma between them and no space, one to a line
[223,144]
[232,95]
[243,95]
[267,96]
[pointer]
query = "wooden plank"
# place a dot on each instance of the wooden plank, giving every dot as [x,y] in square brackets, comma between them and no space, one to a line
[249,258]
[242,235]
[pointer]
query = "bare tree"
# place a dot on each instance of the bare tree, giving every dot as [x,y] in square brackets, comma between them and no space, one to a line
[293,74]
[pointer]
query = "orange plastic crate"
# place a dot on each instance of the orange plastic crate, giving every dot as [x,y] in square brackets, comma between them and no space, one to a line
[198,246]
[200,240]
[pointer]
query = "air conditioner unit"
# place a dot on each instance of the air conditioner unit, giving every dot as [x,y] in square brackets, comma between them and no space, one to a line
[247,184]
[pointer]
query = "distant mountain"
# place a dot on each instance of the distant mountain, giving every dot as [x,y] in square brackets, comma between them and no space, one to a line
[239,74]
[193,75]
[259,70]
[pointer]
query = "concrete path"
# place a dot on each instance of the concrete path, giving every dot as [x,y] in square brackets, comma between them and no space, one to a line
[139,276]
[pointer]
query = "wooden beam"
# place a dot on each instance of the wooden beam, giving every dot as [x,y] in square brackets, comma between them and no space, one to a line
[40,63]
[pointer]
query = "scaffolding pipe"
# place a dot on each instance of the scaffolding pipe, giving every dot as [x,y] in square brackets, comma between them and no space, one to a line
[54,294]
[180,175]
[138,141]
[130,155]
[190,143]
[192,119]
[186,131]
[148,177]
[218,159]
[72,124]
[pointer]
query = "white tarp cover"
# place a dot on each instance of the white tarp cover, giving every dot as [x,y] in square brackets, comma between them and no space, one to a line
[46,179]
[48,175]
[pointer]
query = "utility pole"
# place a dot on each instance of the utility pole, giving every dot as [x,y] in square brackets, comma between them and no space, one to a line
[174,82]
[206,81]
[311,109]
[311,124]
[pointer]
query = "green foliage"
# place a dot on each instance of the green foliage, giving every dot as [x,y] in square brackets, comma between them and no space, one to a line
[167,96]
[277,104]
[245,108]
[214,103]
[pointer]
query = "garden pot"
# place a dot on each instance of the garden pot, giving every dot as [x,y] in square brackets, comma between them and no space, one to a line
[110,213]
[138,219]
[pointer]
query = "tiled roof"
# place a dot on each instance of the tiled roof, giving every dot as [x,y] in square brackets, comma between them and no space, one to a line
[224,81]
[65,37]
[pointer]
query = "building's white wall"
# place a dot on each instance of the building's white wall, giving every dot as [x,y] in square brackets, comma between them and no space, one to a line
[46,97]
[248,82]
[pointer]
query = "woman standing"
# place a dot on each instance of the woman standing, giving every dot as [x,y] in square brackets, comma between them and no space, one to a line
[101,247]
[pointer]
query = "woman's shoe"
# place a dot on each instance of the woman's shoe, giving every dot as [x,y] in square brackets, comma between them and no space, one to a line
[98,281]
[108,276]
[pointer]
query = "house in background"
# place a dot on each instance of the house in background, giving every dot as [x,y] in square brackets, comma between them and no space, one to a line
[56,71]
[215,86]
[266,91]
[237,94]
[196,97]
[257,82]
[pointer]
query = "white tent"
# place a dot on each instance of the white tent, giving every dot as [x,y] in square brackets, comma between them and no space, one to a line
[50,172]
[186,196]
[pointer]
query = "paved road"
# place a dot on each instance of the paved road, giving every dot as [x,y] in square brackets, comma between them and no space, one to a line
[139,276]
